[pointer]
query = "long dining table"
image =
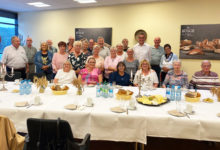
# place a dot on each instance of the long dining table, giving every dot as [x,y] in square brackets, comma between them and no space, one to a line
[103,124]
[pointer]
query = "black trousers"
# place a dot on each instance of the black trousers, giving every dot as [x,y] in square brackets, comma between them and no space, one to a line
[21,70]
[157,69]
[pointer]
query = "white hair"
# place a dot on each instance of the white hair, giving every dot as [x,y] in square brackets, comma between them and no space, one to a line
[77,43]
[205,61]
[177,61]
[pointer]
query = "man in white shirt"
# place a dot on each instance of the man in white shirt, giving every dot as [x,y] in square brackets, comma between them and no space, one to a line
[104,51]
[141,49]
[14,56]
[120,52]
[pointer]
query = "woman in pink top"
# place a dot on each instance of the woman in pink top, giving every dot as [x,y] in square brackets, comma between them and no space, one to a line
[60,57]
[90,74]
[111,62]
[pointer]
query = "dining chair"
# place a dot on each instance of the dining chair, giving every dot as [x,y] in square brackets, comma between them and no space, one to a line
[48,134]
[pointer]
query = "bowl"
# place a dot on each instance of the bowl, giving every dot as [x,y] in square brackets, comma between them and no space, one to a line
[123,96]
[192,100]
[62,92]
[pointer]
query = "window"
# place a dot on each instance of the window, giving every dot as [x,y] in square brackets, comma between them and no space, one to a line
[8,28]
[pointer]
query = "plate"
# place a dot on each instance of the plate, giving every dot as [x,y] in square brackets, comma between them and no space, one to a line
[176,113]
[21,104]
[117,110]
[70,107]
[90,85]
[153,103]
[118,86]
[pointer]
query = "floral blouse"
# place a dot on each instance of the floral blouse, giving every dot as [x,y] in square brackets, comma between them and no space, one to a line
[177,80]
[78,62]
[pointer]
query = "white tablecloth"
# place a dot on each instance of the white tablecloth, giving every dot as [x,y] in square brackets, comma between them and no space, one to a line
[106,125]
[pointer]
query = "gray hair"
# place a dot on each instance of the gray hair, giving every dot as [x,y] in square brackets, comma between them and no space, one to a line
[68,62]
[113,48]
[177,61]
[119,45]
[100,37]
[96,46]
[77,43]
[13,38]
[205,61]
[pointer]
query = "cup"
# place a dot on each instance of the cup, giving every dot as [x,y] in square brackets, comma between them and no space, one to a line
[37,100]
[189,109]
[89,101]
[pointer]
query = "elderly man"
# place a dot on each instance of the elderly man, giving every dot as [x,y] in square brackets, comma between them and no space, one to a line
[125,44]
[30,52]
[157,52]
[104,51]
[120,53]
[141,49]
[50,47]
[205,79]
[14,57]
[91,44]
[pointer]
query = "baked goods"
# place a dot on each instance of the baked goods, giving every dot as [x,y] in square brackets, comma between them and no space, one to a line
[192,96]
[195,52]
[208,100]
[124,94]
[58,90]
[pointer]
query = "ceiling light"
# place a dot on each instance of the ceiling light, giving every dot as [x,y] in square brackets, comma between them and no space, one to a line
[85,1]
[38,4]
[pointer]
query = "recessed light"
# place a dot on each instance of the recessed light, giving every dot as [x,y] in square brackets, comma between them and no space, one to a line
[38,4]
[85,1]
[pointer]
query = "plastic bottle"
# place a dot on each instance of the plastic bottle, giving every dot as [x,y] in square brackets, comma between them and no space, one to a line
[168,92]
[172,94]
[111,90]
[21,88]
[98,92]
[178,93]
[101,90]
[105,91]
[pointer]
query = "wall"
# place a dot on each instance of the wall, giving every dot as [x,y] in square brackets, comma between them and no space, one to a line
[162,19]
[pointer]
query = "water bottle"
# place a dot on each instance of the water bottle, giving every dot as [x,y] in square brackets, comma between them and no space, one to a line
[178,93]
[105,91]
[111,91]
[168,92]
[172,94]
[21,88]
[98,90]
[101,90]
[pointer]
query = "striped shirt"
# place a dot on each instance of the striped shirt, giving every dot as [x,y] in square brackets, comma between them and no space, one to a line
[203,81]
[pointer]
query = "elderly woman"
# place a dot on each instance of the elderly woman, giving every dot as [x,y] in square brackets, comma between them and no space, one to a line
[176,76]
[120,52]
[145,76]
[60,57]
[65,75]
[120,76]
[43,61]
[77,58]
[85,51]
[166,62]
[111,63]
[131,63]
[99,59]
[90,74]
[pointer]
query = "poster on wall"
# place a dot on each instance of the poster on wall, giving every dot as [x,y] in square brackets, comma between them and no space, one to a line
[94,33]
[200,42]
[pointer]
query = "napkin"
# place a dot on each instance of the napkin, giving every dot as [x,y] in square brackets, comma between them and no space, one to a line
[21,104]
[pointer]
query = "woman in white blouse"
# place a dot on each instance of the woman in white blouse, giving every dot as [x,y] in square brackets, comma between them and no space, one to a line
[65,75]
[145,76]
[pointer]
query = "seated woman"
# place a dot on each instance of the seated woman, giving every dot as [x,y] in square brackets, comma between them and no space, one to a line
[176,76]
[120,76]
[65,75]
[166,62]
[90,74]
[145,76]
[43,61]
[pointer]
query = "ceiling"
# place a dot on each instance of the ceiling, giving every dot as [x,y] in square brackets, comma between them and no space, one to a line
[21,6]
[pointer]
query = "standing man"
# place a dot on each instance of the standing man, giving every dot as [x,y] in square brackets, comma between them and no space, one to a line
[30,52]
[141,49]
[125,44]
[14,56]
[91,44]
[50,47]
[104,51]
[156,53]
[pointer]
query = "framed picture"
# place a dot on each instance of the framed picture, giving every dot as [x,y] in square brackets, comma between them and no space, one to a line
[200,42]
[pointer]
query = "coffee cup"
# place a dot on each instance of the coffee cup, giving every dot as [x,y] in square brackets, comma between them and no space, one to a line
[189,109]
[89,101]
[37,100]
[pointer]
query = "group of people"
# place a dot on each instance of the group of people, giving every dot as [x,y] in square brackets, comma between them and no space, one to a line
[95,62]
